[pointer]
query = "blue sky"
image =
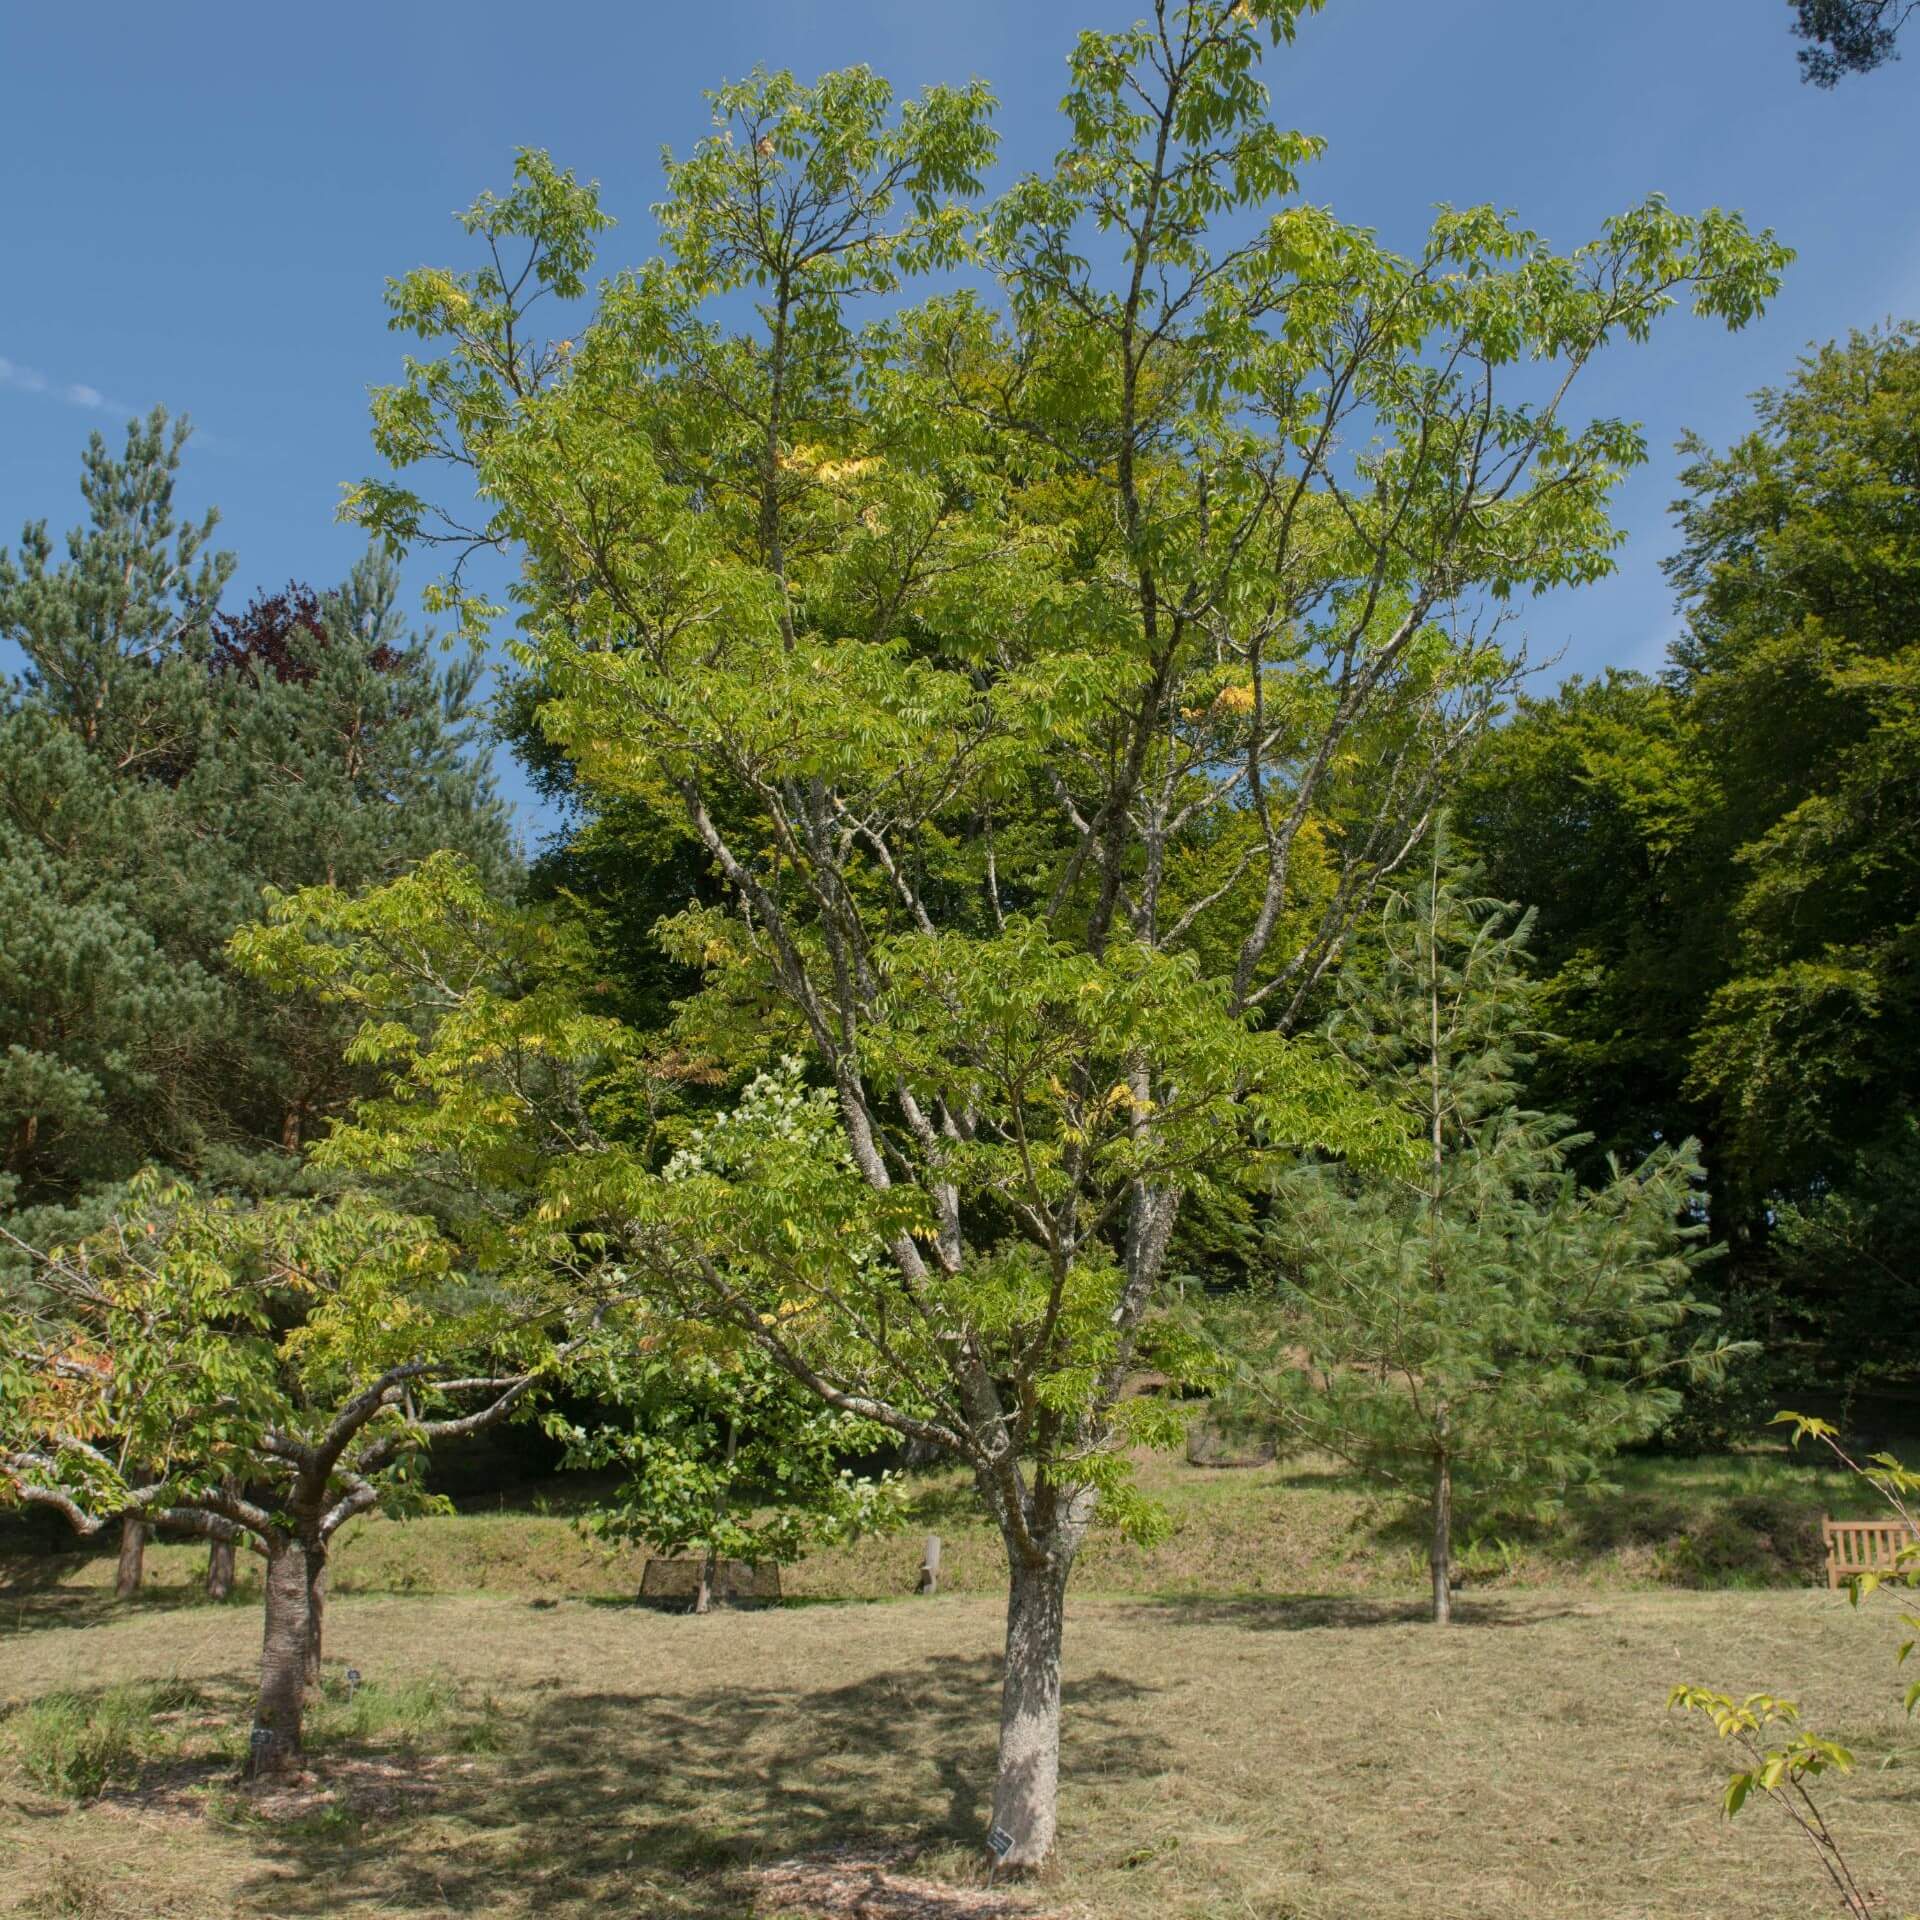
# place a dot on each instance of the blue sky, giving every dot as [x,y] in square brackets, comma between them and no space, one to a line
[203,202]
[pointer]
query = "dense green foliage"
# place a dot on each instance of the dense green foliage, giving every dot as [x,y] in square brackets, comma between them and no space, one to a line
[191,1349]
[724,1456]
[264,1373]
[1726,862]
[1001,659]
[161,766]
[1848,36]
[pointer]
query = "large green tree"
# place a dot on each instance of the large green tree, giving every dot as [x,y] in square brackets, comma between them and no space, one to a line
[1800,571]
[1727,862]
[97,1013]
[1588,805]
[1047,671]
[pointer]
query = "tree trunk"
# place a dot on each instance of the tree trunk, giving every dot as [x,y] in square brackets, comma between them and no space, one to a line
[1440,1556]
[1026,1790]
[316,1608]
[283,1661]
[133,1556]
[220,1570]
[710,1566]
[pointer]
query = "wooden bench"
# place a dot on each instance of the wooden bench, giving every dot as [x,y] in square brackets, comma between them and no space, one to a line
[1864,1546]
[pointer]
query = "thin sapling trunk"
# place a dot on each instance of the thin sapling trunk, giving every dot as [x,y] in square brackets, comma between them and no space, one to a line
[1441,1552]
[1442,1549]
[710,1560]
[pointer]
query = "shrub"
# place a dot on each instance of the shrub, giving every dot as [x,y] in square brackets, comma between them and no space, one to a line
[400,1712]
[77,1745]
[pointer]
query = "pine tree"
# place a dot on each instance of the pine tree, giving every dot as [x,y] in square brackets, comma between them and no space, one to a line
[162,766]
[113,636]
[1485,1332]
[99,1012]
[340,751]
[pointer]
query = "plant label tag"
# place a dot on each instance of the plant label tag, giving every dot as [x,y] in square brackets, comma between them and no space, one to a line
[353,1676]
[999,1842]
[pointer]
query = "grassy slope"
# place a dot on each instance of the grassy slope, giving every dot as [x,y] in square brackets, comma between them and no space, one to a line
[1744,1521]
[1257,1756]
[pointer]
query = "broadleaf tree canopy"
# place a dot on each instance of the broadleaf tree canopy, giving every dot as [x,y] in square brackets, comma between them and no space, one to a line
[1050,623]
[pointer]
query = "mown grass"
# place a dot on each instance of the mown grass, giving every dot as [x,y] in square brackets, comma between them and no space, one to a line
[1288,1758]
[1259,1723]
[78,1744]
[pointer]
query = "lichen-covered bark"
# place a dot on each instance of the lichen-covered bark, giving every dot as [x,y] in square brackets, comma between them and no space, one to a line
[1027,1786]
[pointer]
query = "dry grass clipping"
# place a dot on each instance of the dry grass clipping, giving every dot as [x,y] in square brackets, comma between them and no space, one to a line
[845,1884]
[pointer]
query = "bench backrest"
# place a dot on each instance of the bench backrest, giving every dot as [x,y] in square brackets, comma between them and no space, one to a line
[1864,1546]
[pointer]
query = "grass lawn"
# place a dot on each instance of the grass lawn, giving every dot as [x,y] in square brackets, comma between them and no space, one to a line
[1259,1724]
[1258,1756]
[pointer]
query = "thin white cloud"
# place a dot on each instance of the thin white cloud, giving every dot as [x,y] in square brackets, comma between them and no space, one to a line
[75,393]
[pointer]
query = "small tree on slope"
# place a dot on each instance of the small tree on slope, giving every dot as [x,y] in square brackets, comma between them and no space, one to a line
[1484,1331]
[726,1456]
[260,1376]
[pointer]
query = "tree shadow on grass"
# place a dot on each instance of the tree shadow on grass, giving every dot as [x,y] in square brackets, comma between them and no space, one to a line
[1767,1537]
[658,1804]
[1298,1612]
[27,1607]
[1304,1476]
